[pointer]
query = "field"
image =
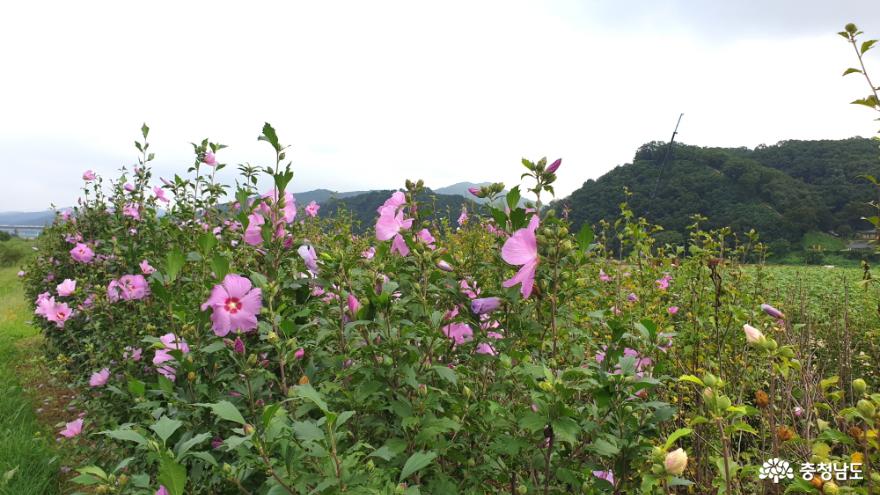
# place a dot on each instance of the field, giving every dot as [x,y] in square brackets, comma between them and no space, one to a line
[239,342]
[28,460]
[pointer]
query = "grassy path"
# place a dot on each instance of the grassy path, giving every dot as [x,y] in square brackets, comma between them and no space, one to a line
[28,463]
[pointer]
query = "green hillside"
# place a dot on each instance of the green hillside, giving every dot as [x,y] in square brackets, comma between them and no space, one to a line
[783,191]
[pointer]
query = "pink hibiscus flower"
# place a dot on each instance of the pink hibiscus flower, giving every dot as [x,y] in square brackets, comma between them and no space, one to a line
[82,253]
[312,209]
[160,194]
[88,175]
[72,429]
[253,233]
[133,287]
[521,249]
[209,159]
[307,253]
[132,210]
[66,288]
[425,236]
[146,269]
[58,313]
[392,221]
[235,305]
[99,378]
[459,332]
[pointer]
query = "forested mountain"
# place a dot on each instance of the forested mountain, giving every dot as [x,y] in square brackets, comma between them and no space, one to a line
[362,207]
[782,191]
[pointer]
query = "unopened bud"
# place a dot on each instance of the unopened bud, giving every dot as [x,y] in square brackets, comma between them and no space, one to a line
[859,386]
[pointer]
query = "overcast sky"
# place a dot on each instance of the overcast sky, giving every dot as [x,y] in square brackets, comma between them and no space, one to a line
[369,93]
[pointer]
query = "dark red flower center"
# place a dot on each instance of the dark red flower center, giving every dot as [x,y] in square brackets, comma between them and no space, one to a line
[233,305]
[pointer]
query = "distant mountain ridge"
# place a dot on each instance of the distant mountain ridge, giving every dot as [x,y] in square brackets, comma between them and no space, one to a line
[44,217]
[320,196]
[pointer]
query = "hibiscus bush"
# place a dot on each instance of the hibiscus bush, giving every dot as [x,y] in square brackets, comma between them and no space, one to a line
[229,340]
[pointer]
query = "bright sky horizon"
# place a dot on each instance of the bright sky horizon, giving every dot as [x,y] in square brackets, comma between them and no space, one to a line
[368,94]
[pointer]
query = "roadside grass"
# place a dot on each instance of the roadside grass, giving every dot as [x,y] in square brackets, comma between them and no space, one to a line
[28,461]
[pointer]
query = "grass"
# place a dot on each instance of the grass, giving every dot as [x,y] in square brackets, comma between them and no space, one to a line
[827,241]
[28,462]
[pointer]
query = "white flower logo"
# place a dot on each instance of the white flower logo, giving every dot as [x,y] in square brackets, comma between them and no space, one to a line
[776,469]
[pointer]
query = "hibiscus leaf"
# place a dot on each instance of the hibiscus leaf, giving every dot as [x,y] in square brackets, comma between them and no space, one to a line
[446,373]
[220,265]
[307,392]
[681,432]
[165,427]
[585,237]
[173,263]
[417,461]
[225,410]
[172,475]
[513,198]
[126,434]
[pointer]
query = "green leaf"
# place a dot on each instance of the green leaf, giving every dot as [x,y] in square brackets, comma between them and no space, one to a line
[136,387]
[692,379]
[743,426]
[851,71]
[127,435]
[867,45]
[446,373]
[566,429]
[513,198]
[869,101]
[207,241]
[172,475]
[383,452]
[532,422]
[225,410]
[585,237]
[417,461]
[307,392]
[270,137]
[173,263]
[681,432]
[184,447]
[219,265]
[165,427]
[307,431]
[604,448]
[213,347]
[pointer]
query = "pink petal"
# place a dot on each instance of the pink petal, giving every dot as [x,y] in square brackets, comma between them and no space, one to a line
[520,248]
[236,285]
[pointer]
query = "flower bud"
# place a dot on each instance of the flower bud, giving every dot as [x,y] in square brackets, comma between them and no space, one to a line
[522,490]
[423,389]
[709,379]
[859,386]
[467,392]
[866,408]
[753,335]
[830,488]
[675,462]
[248,429]
[191,376]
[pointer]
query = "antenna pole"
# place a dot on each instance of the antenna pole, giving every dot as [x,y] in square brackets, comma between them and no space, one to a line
[666,156]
